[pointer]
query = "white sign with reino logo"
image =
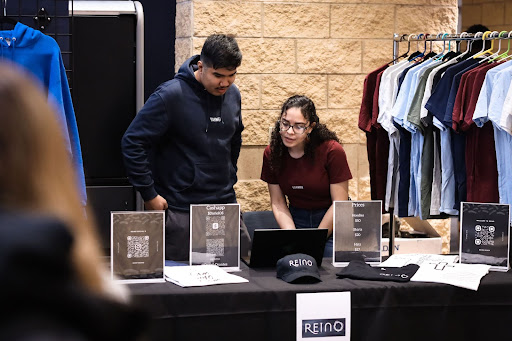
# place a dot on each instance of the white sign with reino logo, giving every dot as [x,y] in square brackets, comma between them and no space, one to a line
[324,316]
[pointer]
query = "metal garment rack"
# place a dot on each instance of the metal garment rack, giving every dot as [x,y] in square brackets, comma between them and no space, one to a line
[447,37]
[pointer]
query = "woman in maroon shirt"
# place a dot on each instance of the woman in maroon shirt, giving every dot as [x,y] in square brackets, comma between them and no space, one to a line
[305,164]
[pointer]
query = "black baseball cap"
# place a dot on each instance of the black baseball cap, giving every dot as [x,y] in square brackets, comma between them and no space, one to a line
[298,268]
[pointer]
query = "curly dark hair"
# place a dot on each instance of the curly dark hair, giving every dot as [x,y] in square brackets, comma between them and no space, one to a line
[319,134]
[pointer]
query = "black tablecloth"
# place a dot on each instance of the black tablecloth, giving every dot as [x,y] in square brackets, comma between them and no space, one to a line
[264,308]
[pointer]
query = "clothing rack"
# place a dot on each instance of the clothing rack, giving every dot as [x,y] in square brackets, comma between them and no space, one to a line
[440,37]
[464,36]
[447,37]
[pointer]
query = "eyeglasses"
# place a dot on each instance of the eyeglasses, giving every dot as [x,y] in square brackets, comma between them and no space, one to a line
[298,128]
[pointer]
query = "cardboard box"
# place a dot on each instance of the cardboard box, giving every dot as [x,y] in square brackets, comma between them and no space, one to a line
[432,244]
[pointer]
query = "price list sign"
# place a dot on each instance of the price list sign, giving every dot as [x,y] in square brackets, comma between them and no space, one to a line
[357,231]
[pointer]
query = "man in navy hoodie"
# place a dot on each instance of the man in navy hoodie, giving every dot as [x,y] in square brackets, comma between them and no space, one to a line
[182,147]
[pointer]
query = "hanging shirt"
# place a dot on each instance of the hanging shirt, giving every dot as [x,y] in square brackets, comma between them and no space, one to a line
[403,102]
[435,197]
[429,85]
[480,115]
[458,139]
[506,115]
[424,179]
[377,140]
[387,95]
[414,115]
[388,90]
[463,99]
[443,182]
[399,110]
[369,87]
[416,141]
[447,178]
[450,103]
[480,153]
[40,55]
[438,101]
[439,104]
[503,141]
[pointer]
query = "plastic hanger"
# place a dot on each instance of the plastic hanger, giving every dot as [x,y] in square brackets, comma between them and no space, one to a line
[450,54]
[469,42]
[441,54]
[508,56]
[504,54]
[494,35]
[484,36]
[421,54]
[431,53]
[417,52]
[408,49]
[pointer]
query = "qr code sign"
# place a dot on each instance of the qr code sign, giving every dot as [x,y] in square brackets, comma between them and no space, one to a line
[138,246]
[215,246]
[484,235]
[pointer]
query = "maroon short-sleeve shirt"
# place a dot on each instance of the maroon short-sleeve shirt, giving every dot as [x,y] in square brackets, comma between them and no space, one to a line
[306,182]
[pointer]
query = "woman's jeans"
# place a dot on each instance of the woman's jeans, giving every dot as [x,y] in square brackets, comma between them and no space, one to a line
[303,218]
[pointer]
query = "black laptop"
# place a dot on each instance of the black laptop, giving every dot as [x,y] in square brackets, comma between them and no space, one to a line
[270,245]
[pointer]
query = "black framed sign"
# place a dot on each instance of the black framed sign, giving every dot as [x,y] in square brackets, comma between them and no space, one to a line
[485,235]
[215,235]
[137,246]
[357,232]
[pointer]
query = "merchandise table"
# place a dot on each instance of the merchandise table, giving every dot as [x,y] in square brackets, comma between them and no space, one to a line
[264,308]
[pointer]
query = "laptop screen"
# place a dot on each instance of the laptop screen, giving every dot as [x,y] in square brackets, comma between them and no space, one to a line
[270,245]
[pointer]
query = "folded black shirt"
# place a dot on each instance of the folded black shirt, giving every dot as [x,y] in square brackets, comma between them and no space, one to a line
[357,269]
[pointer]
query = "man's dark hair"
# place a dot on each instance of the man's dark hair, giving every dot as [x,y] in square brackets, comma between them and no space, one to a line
[476,46]
[477,28]
[221,51]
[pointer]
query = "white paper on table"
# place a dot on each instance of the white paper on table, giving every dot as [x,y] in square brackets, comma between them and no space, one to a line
[200,275]
[461,275]
[399,260]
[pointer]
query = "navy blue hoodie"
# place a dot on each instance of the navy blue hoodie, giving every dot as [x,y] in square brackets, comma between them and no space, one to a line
[185,142]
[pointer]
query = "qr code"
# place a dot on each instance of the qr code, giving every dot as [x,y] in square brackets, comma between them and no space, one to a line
[138,246]
[215,246]
[215,226]
[484,235]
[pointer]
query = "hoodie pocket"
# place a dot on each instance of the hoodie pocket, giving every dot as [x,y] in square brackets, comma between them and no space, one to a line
[211,177]
[183,178]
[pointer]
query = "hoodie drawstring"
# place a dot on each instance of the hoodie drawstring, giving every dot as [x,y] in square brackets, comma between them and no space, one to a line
[13,44]
[207,111]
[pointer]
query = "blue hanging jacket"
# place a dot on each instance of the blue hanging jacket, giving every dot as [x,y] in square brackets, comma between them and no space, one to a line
[40,55]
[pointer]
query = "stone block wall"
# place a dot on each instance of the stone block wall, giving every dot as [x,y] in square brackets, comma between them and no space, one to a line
[320,48]
[497,15]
